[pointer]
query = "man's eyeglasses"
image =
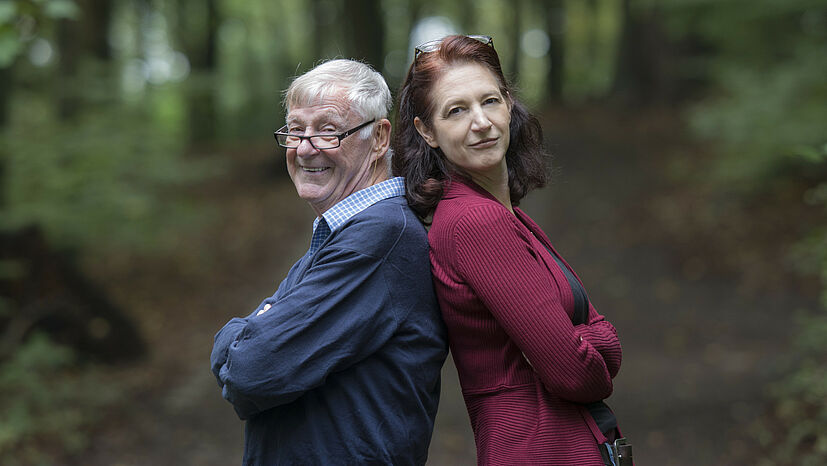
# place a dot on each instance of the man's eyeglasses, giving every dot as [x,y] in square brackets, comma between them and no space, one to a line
[433,45]
[318,141]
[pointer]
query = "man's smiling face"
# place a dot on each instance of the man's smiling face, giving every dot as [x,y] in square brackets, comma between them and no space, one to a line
[325,177]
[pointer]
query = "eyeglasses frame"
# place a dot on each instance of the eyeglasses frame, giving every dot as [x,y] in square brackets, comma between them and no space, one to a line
[339,136]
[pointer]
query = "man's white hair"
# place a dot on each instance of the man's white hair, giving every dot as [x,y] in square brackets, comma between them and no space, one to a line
[361,85]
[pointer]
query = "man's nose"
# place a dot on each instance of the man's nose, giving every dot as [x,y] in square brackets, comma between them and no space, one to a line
[306,149]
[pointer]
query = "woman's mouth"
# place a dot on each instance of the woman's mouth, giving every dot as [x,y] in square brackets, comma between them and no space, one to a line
[485,143]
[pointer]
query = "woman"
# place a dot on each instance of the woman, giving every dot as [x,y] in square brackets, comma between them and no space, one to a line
[534,357]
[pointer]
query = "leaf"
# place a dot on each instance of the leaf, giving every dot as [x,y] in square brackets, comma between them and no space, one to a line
[8,10]
[810,153]
[62,9]
[9,48]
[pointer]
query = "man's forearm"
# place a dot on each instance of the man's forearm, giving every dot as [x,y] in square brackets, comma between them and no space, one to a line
[223,339]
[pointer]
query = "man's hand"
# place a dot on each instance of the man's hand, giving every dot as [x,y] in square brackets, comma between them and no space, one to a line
[266,308]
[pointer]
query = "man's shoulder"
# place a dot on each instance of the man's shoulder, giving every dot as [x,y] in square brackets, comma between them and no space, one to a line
[382,226]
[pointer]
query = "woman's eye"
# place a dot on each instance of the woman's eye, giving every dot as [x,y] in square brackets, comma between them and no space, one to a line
[491,100]
[454,110]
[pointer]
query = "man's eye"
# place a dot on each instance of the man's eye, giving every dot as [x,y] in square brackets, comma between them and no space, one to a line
[296,130]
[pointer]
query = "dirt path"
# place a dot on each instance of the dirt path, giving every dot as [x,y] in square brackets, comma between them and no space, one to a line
[697,353]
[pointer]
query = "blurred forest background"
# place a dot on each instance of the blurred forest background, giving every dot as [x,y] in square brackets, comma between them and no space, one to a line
[143,203]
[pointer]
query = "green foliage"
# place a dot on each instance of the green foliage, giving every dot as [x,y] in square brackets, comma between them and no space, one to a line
[21,21]
[107,178]
[767,65]
[768,117]
[591,42]
[794,432]
[46,406]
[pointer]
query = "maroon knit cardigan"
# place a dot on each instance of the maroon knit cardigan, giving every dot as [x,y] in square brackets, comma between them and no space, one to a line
[524,368]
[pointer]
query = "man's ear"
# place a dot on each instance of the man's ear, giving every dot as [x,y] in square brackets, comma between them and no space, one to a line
[426,134]
[382,137]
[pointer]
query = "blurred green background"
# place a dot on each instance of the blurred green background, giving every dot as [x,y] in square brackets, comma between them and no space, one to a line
[144,202]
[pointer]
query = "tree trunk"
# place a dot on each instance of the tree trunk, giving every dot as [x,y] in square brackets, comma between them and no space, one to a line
[319,34]
[516,20]
[199,43]
[86,36]
[211,34]
[96,19]
[555,27]
[593,9]
[5,97]
[468,18]
[640,77]
[365,31]
[69,49]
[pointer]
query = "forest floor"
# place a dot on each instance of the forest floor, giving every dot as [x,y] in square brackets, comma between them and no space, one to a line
[701,341]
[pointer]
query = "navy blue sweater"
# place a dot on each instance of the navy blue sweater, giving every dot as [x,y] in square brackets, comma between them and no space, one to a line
[344,367]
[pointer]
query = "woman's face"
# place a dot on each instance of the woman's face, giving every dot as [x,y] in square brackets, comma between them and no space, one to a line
[470,121]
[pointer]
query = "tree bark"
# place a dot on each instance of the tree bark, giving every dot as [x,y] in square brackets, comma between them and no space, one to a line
[69,49]
[319,34]
[96,19]
[5,96]
[640,77]
[555,27]
[199,44]
[468,18]
[516,22]
[211,34]
[365,31]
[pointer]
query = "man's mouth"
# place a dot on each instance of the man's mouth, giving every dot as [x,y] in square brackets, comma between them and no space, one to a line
[314,169]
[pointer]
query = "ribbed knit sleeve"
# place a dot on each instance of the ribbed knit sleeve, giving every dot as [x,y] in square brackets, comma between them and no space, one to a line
[496,260]
[603,336]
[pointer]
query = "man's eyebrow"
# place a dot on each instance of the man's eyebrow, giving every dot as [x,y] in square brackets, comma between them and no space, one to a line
[326,117]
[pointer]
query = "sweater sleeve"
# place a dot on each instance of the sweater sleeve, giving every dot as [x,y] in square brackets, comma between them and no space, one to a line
[603,336]
[330,320]
[229,333]
[501,268]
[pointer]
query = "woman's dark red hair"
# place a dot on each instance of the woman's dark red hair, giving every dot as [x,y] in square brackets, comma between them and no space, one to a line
[426,170]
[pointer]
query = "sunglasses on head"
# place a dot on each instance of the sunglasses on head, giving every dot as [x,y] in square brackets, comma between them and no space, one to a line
[433,45]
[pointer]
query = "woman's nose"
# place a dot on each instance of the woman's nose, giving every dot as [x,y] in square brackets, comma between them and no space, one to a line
[480,121]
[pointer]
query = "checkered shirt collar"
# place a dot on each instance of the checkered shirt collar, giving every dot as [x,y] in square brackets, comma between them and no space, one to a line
[340,213]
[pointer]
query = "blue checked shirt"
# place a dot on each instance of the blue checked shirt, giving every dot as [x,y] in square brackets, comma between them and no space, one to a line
[340,213]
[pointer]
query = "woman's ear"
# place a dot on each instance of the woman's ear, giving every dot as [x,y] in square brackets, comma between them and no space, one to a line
[426,134]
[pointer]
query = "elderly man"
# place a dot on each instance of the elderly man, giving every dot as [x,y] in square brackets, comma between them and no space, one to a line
[341,365]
